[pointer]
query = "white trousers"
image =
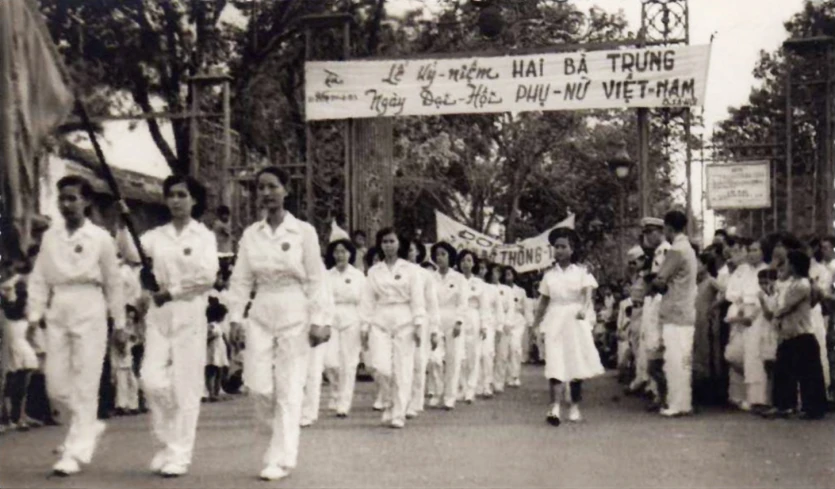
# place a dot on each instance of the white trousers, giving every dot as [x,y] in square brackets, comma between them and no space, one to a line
[501,374]
[76,343]
[394,352]
[448,372]
[678,366]
[416,403]
[344,356]
[313,382]
[127,389]
[488,358]
[470,369]
[516,341]
[173,374]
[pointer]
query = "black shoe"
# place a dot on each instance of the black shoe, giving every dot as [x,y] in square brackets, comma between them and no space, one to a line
[811,416]
[553,420]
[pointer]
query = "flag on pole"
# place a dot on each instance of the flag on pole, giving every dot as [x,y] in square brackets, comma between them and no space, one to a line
[34,99]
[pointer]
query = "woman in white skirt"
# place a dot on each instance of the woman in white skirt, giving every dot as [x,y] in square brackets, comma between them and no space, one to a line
[570,355]
[280,257]
[346,285]
[393,303]
[184,257]
[475,326]
[447,358]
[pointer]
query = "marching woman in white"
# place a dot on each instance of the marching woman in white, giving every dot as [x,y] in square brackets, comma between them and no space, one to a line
[428,333]
[503,330]
[516,324]
[570,354]
[452,289]
[280,258]
[346,285]
[475,326]
[492,321]
[184,257]
[394,306]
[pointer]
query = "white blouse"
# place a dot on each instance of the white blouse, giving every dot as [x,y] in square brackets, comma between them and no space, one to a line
[452,295]
[346,288]
[400,284]
[566,286]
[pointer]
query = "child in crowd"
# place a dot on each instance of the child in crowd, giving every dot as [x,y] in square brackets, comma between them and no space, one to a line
[121,361]
[217,354]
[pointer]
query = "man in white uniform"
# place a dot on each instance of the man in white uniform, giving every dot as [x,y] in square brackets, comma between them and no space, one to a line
[74,284]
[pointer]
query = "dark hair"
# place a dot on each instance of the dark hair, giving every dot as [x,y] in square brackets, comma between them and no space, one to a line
[476,261]
[730,242]
[404,243]
[720,232]
[450,251]
[370,255]
[84,185]
[275,171]
[573,239]
[195,189]
[224,209]
[676,220]
[421,250]
[744,241]
[429,265]
[359,232]
[783,238]
[491,268]
[815,244]
[800,263]
[708,259]
[512,270]
[330,261]
[130,308]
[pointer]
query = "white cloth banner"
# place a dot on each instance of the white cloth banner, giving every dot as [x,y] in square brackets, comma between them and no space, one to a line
[533,253]
[669,76]
[526,256]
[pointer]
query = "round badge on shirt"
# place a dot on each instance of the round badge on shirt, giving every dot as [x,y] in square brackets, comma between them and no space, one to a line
[78,248]
[347,280]
[451,286]
[187,251]
[397,277]
[285,246]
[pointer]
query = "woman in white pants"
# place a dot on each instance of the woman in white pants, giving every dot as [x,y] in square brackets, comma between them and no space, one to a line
[280,258]
[474,328]
[452,287]
[493,322]
[346,285]
[515,330]
[503,331]
[184,257]
[428,333]
[393,303]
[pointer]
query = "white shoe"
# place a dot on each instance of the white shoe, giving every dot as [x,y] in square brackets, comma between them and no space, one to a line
[745,406]
[273,473]
[387,416]
[379,406]
[174,470]
[66,466]
[669,413]
[411,414]
[434,401]
[100,428]
[574,413]
[159,461]
[398,423]
[306,423]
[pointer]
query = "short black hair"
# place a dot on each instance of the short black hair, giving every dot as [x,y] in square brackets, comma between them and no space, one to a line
[421,250]
[275,171]
[195,189]
[450,251]
[476,261]
[84,185]
[568,233]
[800,263]
[359,232]
[708,259]
[720,232]
[677,220]
[493,267]
[224,209]
[370,255]
[402,251]
[505,269]
[330,261]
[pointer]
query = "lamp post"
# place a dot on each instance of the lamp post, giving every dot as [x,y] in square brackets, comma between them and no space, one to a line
[621,165]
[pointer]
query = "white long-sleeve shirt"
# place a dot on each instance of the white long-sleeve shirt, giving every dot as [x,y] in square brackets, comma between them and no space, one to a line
[400,284]
[452,295]
[87,257]
[506,303]
[289,255]
[185,263]
[347,288]
[495,308]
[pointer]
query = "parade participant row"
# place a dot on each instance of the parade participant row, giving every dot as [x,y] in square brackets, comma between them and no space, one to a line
[290,314]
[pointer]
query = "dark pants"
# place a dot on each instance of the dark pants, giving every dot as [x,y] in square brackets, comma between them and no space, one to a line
[798,364]
[37,405]
[17,385]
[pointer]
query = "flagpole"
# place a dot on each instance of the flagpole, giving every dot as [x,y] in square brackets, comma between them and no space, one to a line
[114,186]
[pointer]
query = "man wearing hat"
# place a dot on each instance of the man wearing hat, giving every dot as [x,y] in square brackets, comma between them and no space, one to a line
[653,231]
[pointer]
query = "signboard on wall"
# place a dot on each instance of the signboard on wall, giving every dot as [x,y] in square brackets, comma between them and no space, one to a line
[668,76]
[739,185]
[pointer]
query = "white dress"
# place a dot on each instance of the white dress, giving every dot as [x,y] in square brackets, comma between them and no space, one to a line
[570,353]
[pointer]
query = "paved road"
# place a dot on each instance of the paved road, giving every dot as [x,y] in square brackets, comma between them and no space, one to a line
[503,442]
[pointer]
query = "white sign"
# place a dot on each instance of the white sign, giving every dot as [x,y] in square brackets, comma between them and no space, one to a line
[669,76]
[739,185]
[530,254]
[526,256]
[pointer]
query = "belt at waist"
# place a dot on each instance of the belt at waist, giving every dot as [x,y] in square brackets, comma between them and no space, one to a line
[76,286]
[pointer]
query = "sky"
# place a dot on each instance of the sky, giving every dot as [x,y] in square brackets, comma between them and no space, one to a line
[741,29]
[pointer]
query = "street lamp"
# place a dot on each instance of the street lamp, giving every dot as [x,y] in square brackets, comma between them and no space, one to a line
[621,165]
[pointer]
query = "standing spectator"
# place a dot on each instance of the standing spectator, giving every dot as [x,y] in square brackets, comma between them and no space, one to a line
[677,314]
[651,324]
[222,227]
[707,352]
[360,262]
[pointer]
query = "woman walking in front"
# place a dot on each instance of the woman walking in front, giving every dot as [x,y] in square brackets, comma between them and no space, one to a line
[393,303]
[280,257]
[475,326]
[184,257]
[570,354]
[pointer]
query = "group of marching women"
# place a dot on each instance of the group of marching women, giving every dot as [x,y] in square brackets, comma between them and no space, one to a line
[452,329]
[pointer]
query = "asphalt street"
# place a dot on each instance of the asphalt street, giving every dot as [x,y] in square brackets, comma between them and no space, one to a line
[502,442]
